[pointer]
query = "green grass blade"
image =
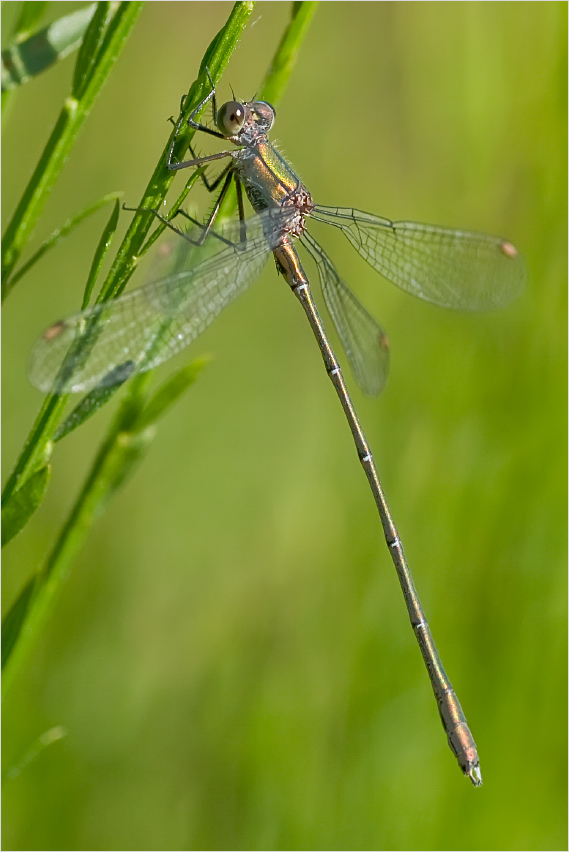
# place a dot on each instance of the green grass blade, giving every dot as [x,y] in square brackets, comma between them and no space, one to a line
[33,751]
[14,619]
[286,54]
[30,15]
[101,251]
[89,50]
[169,393]
[85,409]
[24,60]
[18,510]
[165,397]
[37,446]
[98,397]
[60,144]
[56,237]
[122,449]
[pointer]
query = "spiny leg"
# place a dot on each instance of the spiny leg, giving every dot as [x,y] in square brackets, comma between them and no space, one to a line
[196,126]
[206,228]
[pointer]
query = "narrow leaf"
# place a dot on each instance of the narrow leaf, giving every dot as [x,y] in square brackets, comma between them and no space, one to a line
[18,510]
[30,15]
[217,55]
[102,248]
[128,452]
[34,750]
[26,59]
[55,238]
[169,393]
[14,619]
[286,55]
[89,51]
[94,400]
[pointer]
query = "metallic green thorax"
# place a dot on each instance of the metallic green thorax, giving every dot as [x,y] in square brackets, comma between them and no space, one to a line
[269,180]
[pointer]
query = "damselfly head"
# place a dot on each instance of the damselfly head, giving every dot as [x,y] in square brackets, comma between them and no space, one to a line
[255,118]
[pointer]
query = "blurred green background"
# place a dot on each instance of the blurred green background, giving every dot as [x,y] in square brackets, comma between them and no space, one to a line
[231,655]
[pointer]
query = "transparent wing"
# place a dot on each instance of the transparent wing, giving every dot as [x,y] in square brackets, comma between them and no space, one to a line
[108,342]
[464,270]
[362,338]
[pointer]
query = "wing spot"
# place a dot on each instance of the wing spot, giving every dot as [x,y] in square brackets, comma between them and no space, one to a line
[508,249]
[54,331]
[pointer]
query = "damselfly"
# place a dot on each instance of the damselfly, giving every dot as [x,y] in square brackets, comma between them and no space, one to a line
[103,345]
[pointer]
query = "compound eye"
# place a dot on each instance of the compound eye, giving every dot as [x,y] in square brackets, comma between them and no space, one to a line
[231,118]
